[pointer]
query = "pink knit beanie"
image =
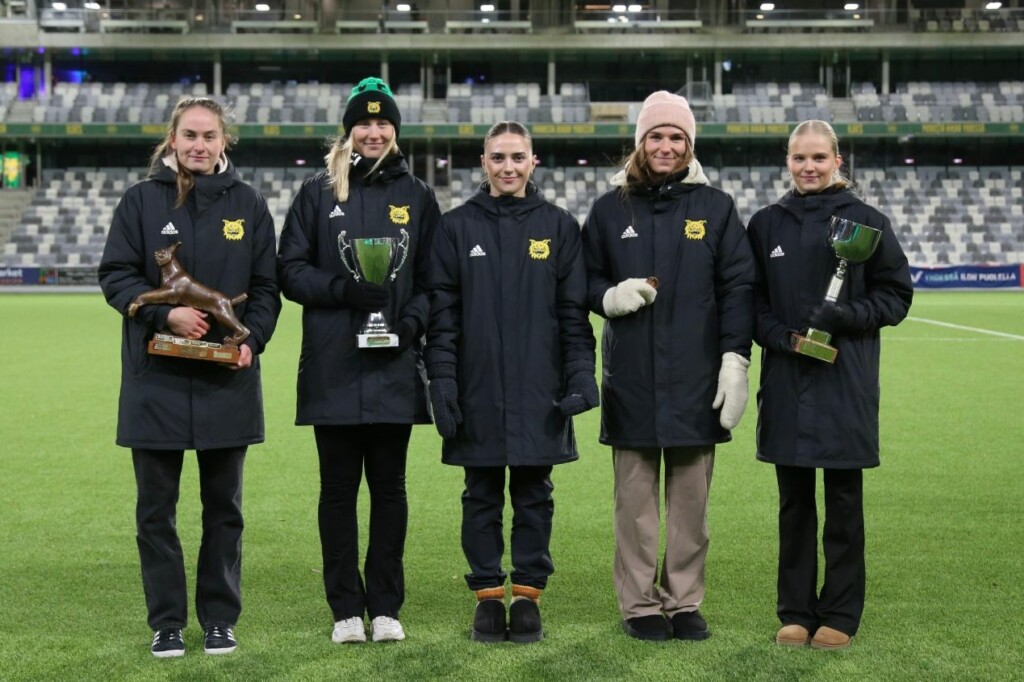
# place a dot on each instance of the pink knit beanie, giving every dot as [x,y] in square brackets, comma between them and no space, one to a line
[662,108]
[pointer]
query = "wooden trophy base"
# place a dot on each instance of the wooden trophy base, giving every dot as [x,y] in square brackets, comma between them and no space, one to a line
[177,347]
[377,340]
[815,345]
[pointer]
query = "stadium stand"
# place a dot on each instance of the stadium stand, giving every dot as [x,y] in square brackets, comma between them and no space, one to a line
[942,215]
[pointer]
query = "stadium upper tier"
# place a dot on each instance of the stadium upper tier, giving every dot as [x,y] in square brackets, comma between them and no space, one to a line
[942,215]
[324,103]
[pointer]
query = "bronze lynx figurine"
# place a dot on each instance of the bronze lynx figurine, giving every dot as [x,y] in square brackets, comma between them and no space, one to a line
[178,288]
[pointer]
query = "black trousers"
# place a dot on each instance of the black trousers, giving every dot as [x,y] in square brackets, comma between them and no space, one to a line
[219,570]
[344,453]
[533,508]
[841,601]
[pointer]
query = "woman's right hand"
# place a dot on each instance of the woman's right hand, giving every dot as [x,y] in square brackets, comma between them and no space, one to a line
[188,322]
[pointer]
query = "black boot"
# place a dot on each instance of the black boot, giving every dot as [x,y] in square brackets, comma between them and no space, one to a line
[648,628]
[524,621]
[690,625]
[489,621]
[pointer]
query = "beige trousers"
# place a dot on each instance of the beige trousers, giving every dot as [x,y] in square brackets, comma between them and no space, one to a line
[637,529]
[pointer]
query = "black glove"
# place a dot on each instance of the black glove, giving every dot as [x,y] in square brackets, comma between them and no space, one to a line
[444,399]
[365,296]
[831,317]
[406,334]
[581,394]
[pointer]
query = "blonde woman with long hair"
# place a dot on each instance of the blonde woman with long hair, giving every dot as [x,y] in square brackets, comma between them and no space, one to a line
[361,402]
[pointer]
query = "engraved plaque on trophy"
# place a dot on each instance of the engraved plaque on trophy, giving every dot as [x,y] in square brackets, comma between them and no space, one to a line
[376,260]
[852,243]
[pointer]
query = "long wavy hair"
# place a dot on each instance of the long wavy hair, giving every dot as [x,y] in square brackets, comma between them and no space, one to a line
[638,171]
[339,163]
[186,179]
[822,128]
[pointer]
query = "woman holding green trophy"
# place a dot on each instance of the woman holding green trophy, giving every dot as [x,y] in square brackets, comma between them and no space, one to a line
[353,254]
[818,401]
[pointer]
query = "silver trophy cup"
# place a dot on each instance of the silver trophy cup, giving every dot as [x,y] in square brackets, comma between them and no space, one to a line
[376,260]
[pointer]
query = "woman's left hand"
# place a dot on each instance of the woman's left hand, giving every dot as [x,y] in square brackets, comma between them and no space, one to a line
[244,358]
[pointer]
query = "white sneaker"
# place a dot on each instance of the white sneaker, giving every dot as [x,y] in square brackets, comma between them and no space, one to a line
[386,629]
[349,631]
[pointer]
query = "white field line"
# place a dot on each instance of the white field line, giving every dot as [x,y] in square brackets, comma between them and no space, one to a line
[977,330]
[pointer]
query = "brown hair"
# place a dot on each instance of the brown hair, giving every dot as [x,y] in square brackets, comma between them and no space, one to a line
[638,173]
[508,127]
[339,163]
[825,130]
[186,180]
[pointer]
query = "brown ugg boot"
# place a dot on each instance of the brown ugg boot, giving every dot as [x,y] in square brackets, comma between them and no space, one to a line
[524,615]
[489,617]
[830,638]
[793,635]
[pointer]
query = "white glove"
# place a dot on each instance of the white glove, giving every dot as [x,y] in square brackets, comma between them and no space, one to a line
[732,390]
[628,296]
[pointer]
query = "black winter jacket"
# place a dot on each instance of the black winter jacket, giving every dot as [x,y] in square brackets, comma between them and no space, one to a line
[340,383]
[508,311]
[811,413]
[227,237]
[661,363]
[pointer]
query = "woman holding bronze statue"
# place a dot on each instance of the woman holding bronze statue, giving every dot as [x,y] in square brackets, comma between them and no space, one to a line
[510,354]
[815,413]
[670,269]
[361,390]
[192,211]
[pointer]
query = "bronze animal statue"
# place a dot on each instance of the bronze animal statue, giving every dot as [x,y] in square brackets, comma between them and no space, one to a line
[178,288]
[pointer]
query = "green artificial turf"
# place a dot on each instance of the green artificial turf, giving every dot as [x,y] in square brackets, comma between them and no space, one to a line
[944,531]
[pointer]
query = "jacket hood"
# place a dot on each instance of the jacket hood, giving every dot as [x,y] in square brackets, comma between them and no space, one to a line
[519,207]
[693,174]
[208,187]
[831,198]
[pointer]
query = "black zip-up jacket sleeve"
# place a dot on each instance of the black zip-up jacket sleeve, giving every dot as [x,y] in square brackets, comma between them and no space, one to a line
[577,336]
[263,305]
[416,311]
[734,283]
[445,325]
[597,264]
[122,268]
[769,331]
[889,287]
[301,280]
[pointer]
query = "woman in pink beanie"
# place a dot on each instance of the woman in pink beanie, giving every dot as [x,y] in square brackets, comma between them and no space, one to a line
[675,368]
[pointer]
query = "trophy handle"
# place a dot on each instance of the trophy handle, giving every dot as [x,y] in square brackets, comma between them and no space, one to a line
[343,247]
[403,246]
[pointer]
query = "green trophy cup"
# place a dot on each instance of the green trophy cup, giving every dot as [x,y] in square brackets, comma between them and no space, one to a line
[377,260]
[852,243]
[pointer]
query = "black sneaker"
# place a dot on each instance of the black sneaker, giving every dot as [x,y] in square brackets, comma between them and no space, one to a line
[489,621]
[690,625]
[648,628]
[524,622]
[219,640]
[167,643]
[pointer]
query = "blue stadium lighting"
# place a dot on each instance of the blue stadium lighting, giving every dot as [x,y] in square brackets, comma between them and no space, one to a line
[76,51]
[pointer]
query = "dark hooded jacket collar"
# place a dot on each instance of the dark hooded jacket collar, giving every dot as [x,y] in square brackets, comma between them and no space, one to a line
[207,190]
[830,198]
[393,167]
[519,207]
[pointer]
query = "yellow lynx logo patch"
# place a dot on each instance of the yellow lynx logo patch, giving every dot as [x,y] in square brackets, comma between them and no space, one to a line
[373,107]
[695,229]
[540,249]
[399,214]
[234,230]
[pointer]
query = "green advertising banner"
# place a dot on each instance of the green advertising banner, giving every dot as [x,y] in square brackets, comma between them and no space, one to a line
[14,170]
